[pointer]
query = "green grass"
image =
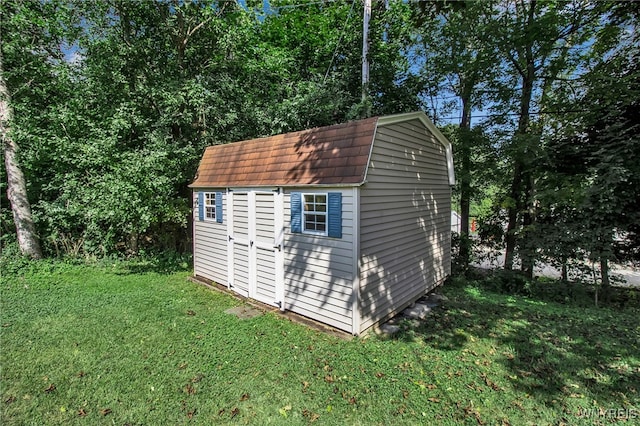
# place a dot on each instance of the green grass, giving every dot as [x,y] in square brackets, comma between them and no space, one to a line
[125,344]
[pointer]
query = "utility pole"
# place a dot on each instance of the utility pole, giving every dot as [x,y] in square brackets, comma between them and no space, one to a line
[365,48]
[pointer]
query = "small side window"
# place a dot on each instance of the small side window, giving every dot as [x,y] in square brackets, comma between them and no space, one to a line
[210,206]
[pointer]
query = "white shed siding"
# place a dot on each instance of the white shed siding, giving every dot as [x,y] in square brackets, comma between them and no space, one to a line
[319,270]
[210,248]
[404,219]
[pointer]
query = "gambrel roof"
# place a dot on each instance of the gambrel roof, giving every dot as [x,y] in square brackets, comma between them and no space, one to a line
[326,156]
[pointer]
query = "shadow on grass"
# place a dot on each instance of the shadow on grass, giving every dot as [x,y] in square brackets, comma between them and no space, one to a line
[551,351]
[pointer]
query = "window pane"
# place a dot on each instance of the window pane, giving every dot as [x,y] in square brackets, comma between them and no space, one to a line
[315,212]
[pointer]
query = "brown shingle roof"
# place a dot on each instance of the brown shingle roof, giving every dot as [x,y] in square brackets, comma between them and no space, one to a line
[334,155]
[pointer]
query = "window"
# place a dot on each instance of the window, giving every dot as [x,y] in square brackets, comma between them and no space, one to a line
[315,214]
[210,205]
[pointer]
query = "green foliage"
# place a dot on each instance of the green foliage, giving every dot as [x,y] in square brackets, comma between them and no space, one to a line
[124,96]
[590,185]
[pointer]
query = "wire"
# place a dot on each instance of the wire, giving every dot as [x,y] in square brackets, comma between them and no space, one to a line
[516,114]
[335,52]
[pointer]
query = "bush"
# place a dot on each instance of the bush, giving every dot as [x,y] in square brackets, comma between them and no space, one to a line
[12,261]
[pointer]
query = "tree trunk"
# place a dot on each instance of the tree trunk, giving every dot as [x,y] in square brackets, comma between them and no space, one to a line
[465,179]
[518,194]
[604,279]
[16,184]
[528,219]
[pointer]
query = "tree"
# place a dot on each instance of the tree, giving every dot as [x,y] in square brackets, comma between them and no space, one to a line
[16,184]
[30,47]
[593,157]
[458,54]
[539,41]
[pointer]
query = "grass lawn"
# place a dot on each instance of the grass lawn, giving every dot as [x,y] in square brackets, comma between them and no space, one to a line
[124,344]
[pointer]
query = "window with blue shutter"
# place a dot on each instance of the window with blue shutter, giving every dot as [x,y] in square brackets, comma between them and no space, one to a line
[210,206]
[317,213]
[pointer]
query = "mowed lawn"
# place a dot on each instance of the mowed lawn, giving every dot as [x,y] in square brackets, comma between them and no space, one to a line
[122,344]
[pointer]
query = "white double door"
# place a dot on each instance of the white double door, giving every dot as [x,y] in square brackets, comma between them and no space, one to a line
[255,228]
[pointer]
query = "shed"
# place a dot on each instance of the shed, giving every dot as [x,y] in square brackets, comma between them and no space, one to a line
[345,224]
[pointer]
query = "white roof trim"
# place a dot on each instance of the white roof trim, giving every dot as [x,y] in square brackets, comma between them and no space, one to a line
[419,115]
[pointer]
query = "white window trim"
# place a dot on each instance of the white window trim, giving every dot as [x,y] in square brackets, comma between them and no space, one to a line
[210,196]
[325,214]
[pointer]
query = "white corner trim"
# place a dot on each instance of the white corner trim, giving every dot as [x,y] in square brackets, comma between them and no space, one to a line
[355,295]
[419,115]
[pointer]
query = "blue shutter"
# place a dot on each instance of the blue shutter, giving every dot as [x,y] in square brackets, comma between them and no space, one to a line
[219,207]
[296,212]
[200,205]
[335,214]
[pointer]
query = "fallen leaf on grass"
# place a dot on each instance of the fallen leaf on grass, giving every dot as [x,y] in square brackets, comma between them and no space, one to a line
[405,394]
[197,378]
[244,397]
[190,390]
[81,412]
[329,379]
[235,412]
[305,385]
[470,411]
[105,411]
[518,404]
[309,415]
[51,388]
[10,400]
[434,399]
[352,400]
[191,413]
[81,374]
[489,383]
[379,375]
[221,412]
[191,312]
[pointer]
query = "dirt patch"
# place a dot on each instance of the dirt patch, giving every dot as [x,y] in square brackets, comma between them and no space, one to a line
[244,312]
